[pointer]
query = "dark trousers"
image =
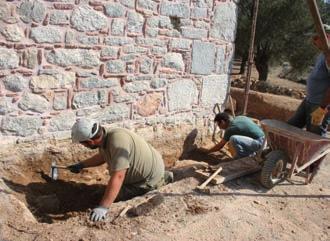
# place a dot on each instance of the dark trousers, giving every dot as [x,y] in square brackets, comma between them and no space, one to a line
[302,118]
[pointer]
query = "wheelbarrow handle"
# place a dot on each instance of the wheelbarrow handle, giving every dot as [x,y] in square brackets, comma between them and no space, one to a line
[60,167]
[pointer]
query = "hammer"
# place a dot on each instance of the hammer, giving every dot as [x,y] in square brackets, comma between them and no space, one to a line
[203,185]
[54,170]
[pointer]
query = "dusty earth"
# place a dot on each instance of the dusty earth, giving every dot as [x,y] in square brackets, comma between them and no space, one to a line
[238,210]
[33,207]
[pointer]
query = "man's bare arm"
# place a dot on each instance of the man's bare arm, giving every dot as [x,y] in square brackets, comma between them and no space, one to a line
[113,188]
[94,161]
[217,147]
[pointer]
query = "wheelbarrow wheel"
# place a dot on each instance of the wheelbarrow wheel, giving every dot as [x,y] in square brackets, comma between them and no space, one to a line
[274,167]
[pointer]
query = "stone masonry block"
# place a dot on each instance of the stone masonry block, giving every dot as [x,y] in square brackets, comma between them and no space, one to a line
[148,5]
[181,95]
[46,35]
[85,99]
[135,87]
[31,11]
[76,57]
[214,89]
[146,65]
[179,10]
[118,41]
[34,103]
[111,52]
[158,83]
[63,79]
[95,82]
[134,22]
[60,101]
[62,122]
[114,10]
[203,58]
[198,12]
[59,17]
[15,83]
[224,22]
[31,58]
[12,33]
[174,61]
[87,40]
[221,64]
[21,126]
[116,66]
[194,33]
[118,26]
[115,112]
[184,44]
[128,3]
[6,105]
[8,58]
[84,18]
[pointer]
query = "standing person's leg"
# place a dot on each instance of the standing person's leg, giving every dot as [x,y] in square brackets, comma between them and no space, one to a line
[245,146]
[321,129]
[300,116]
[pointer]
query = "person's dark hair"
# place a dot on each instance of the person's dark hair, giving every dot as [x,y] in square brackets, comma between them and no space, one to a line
[99,132]
[223,116]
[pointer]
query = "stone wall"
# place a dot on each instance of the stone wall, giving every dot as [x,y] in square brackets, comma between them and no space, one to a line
[122,61]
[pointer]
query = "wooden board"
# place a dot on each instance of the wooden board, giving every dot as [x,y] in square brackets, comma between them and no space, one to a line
[231,170]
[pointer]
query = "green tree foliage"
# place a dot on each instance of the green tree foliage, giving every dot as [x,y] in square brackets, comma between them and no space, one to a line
[281,33]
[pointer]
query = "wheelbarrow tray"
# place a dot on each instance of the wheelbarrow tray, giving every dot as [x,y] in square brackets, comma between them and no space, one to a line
[302,148]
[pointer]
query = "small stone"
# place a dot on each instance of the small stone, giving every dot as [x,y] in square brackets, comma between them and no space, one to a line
[128,3]
[21,126]
[44,82]
[158,83]
[174,10]
[118,26]
[146,65]
[62,122]
[174,61]
[116,66]
[88,40]
[85,99]
[8,58]
[181,95]
[134,22]
[118,41]
[59,17]
[148,5]
[60,101]
[6,105]
[34,103]
[194,33]
[111,52]
[114,10]
[180,44]
[95,82]
[135,87]
[149,104]
[12,33]
[46,35]
[31,58]
[77,57]
[31,11]
[84,18]
[15,83]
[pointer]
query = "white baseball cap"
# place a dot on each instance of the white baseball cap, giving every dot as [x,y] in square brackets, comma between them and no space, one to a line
[82,130]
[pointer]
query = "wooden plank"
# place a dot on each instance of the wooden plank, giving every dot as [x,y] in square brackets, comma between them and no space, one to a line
[205,175]
[232,169]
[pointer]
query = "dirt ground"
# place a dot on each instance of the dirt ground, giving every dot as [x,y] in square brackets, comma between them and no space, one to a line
[238,210]
[36,208]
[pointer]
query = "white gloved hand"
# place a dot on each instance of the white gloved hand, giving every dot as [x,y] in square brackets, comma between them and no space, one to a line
[99,213]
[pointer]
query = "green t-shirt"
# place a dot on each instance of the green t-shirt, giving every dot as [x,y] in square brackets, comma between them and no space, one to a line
[243,126]
[123,149]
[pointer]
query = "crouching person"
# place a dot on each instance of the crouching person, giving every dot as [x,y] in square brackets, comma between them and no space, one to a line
[135,167]
[244,136]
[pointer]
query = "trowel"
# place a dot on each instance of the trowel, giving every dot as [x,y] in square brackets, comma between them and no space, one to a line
[54,170]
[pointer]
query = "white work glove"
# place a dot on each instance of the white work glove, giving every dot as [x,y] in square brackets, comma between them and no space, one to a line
[318,116]
[98,214]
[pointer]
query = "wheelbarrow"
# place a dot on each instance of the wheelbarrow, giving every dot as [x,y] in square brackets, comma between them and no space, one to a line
[293,152]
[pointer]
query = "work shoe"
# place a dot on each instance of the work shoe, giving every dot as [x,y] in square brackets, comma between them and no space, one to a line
[168,177]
